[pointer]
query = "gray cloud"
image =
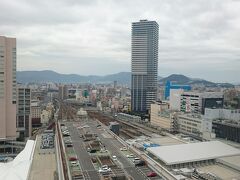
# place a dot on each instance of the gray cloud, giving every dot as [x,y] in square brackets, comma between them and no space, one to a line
[198,38]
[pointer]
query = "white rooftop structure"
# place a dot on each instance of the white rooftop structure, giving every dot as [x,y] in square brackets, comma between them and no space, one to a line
[192,152]
[82,112]
[19,168]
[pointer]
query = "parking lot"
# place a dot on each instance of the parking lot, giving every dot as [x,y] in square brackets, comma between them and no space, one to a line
[47,142]
[98,153]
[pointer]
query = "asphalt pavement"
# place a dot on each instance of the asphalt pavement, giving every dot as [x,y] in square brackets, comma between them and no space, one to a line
[84,158]
[111,144]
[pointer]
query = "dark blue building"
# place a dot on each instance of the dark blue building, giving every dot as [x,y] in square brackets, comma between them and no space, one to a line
[169,86]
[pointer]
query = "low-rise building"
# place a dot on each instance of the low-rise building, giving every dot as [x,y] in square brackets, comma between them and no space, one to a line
[229,114]
[128,117]
[161,117]
[175,99]
[196,102]
[45,117]
[36,113]
[225,123]
[195,125]
[227,129]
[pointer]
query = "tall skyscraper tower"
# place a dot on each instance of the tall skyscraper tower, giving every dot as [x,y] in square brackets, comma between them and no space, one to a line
[7,88]
[144,64]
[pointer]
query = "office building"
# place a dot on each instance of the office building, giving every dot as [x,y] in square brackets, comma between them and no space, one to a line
[144,65]
[227,129]
[220,113]
[170,86]
[160,116]
[195,102]
[226,123]
[62,92]
[24,123]
[175,99]
[195,125]
[7,88]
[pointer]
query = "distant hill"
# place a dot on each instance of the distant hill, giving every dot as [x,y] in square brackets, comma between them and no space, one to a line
[51,76]
[183,80]
[121,78]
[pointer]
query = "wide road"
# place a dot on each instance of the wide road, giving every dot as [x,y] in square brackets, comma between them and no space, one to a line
[83,156]
[114,146]
[111,144]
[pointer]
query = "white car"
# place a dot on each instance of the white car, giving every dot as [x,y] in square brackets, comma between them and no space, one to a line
[130,156]
[114,158]
[136,160]
[104,170]
[74,163]
[123,149]
[104,166]
[86,126]
[103,151]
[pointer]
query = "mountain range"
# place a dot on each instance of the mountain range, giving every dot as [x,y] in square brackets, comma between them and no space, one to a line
[121,77]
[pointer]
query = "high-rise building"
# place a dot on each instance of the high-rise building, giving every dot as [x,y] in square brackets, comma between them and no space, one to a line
[62,92]
[144,64]
[24,123]
[7,88]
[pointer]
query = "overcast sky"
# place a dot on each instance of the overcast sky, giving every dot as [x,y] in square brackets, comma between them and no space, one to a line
[197,38]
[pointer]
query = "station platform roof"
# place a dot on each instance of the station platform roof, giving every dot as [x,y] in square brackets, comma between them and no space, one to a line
[20,166]
[193,152]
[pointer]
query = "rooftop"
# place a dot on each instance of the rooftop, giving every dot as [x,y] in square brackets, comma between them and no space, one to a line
[20,166]
[184,153]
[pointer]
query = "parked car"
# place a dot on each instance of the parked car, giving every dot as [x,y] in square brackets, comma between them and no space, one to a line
[114,158]
[151,174]
[123,149]
[130,156]
[104,166]
[104,170]
[136,160]
[93,151]
[72,159]
[140,163]
[103,151]
[74,163]
[69,145]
